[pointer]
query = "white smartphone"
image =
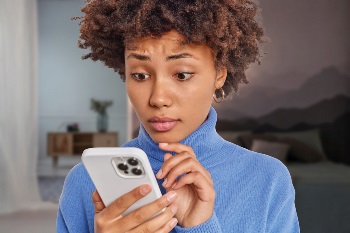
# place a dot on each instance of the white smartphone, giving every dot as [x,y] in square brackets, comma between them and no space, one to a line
[118,170]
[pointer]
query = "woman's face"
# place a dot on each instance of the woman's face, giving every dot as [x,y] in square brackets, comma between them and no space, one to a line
[171,85]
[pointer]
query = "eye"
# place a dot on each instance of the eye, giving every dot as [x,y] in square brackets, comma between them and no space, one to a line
[184,76]
[140,76]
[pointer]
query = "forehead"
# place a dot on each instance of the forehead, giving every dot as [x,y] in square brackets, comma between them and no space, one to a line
[170,38]
[171,42]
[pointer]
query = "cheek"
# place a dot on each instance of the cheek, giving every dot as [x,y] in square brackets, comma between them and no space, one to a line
[203,90]
[196,102]
[133,94]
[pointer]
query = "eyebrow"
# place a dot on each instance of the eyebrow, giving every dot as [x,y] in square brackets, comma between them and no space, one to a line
[171,57]
[139,57]
[181,55]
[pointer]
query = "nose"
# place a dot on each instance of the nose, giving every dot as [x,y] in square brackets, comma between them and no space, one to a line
[161,95]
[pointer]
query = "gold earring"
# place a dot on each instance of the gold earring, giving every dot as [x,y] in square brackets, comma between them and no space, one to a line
[221,98]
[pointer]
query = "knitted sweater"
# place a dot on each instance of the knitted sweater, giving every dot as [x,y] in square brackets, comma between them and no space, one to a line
[254,192]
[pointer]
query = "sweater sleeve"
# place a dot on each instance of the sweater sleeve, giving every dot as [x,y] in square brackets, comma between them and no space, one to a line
[61,226]
[282,215]
[212,225]
[74,204]
[286,220]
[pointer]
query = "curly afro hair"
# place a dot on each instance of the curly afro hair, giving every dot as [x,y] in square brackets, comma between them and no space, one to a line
[229,27]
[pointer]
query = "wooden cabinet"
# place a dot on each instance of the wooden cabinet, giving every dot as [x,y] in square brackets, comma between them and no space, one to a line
[69,144]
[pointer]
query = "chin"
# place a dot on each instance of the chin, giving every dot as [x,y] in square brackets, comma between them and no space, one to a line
[167,137]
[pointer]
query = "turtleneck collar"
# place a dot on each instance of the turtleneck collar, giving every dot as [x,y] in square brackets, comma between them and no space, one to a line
[204,141]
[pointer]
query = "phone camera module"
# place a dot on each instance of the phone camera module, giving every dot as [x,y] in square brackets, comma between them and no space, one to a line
[136,171]
[128,166]
[133,162]
[123,166]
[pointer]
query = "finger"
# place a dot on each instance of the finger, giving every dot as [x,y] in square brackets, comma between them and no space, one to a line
[177,148]
[144,213]
[170,162]
[98,203]
[168,227]
[116,208]
[186,166]
[159,173]
[167,156]
[178,165]
[161,223]
[204,189]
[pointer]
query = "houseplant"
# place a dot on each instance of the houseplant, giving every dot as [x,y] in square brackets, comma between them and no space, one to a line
[100,107]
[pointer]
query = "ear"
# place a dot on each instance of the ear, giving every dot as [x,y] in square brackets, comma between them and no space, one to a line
[220,79]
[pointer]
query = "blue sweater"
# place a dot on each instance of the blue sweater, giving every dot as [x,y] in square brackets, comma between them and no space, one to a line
[254,192]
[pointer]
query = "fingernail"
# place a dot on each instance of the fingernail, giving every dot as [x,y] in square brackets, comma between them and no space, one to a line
[145,190]
[165,181]
[174,209]
[173,222]
[159,173]
[163,144]
[174,185]
[171,196]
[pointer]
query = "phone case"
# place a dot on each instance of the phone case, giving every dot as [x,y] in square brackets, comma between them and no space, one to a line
[114,173]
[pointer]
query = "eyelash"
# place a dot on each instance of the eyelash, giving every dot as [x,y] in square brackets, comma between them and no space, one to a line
[135,76]
[186,73]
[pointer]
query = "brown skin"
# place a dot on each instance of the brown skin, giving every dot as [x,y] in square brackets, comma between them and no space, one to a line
[155,87]
[196,193]
[162,92]
[109,219]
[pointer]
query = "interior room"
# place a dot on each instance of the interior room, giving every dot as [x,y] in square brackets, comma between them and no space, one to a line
[54,105]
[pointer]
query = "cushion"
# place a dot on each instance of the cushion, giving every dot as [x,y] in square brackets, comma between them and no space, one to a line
[233,136]
[247,139]
[301,151]
[277,150]
[309,137]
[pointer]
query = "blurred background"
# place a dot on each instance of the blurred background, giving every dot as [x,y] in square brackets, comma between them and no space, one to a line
[53,105]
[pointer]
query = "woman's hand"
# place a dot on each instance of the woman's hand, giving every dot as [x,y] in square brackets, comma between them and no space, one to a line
[195,188]
[109,219]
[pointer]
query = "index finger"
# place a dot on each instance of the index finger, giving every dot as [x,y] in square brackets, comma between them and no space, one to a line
[117,207]
[98,203]
[177,148]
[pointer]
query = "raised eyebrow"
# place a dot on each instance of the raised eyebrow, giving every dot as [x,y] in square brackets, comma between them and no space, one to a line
[139,57]
[171,57]
[181,55]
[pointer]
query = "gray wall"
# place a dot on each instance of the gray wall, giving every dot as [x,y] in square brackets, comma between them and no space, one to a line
[308,47]
[67,83]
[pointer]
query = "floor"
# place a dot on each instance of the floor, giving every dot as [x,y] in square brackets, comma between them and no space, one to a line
[43,221]
[40,221]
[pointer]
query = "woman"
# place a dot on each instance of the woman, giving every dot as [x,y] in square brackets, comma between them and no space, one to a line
[175,57]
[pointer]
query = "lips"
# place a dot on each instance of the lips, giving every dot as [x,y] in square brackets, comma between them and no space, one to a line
[162,124]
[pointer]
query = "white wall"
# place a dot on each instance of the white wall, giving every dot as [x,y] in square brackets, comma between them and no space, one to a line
[66,82]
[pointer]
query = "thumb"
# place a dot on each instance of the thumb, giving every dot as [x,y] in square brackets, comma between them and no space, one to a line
[98,203]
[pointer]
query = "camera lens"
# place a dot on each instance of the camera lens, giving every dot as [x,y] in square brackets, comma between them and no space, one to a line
[133,162]
[136,171]
[122,166]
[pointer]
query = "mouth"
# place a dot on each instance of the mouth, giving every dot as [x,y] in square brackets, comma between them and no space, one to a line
[162,124]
